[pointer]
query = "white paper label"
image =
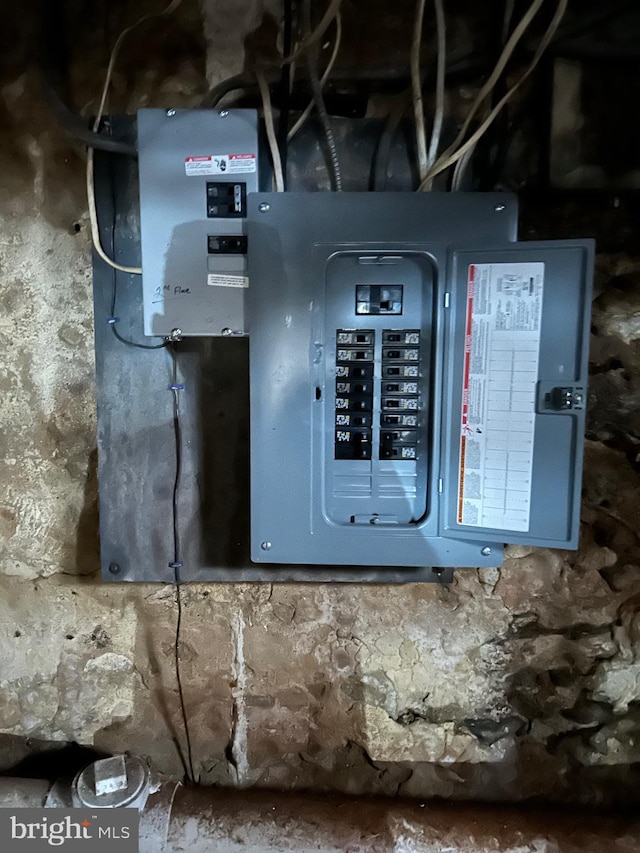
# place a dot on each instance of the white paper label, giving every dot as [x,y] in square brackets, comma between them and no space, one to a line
[222,280]
[502,350]
[220,164]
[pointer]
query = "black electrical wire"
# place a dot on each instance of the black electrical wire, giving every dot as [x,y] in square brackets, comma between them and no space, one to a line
[176,564]
[52,60]
[231,84]
[316,89]
[113,320]
[286,80]
[76,126]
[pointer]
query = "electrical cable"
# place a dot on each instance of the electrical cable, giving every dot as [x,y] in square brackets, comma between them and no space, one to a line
[416,87]
[461,168]
[441,63]
[112,320]
[286,80]
[93,220]
[383,151]
[315,36]
[493,78]
[453,154]
[175,387]
[75,126]
[91,198]
[464,163]
[231,84]
[325,76]
[267,109]
[316,89]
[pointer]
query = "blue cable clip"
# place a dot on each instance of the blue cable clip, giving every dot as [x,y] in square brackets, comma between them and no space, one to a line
[175,386]
[112,320]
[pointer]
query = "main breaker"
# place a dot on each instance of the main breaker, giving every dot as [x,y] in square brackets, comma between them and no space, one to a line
[417,379]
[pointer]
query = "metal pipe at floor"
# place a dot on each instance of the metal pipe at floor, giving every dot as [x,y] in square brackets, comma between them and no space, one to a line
[213,820]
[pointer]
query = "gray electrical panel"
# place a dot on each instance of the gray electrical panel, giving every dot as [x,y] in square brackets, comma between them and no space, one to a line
[196,169]
[417,379]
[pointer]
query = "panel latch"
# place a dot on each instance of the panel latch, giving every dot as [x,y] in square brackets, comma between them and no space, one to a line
[564,398]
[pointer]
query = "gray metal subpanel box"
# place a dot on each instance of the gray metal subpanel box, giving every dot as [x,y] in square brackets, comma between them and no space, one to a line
[196,168]
[417,380]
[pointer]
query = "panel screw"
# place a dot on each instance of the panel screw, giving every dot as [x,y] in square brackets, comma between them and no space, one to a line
[175,335]
[170,113]
[500,207]
[486,551]
[264,207]
[223,113]
[114,568]
[266,546]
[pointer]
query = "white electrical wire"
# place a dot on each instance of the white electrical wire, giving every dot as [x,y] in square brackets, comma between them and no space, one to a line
[327,71]
[91,195]
[456,151]
[416,90]
[267,109]
[460,169]
[490,84]
[438,118]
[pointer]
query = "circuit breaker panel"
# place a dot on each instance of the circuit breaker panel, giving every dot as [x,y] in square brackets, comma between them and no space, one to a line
[196,168]
[417,380]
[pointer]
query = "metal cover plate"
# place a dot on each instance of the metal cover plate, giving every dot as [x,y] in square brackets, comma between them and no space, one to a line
[518,327]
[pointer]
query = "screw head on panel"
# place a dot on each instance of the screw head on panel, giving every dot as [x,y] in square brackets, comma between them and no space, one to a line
[114,568]
[223,113]
[170,112]
[266,546]
[175,335]
[486,551]
[264,207]
[500,207]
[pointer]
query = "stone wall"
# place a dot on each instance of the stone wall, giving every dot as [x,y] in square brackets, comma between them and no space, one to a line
[517,682]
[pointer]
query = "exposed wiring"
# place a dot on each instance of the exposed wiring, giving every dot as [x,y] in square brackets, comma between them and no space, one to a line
[286,81]
[323,115]
[91,196]
[416,87]
[239,82]
[509,8]
[383,151]
[175,387]
[493,78]
[116,50]
[460,169]
[325,76]
[278,173]
[93,219]
[441,65]
[454,153]
[113,320]
[315,36]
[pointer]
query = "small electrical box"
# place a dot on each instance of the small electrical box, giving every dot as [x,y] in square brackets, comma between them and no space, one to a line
[196,168]
[417,379]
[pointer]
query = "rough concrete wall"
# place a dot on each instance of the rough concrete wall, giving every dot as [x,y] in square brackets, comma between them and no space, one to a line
[523,681]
